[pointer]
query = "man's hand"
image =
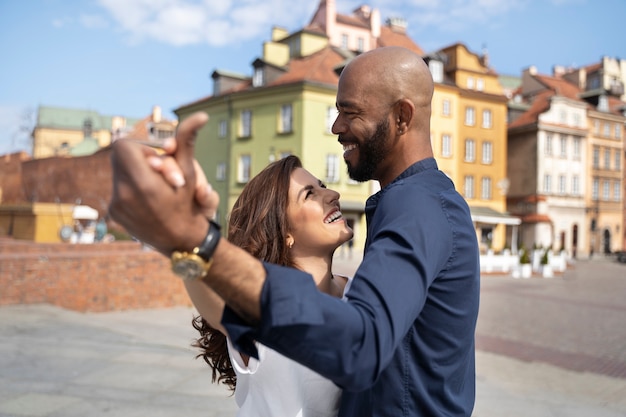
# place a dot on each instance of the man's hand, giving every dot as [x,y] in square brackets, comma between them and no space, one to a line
[164,216]
[166,164]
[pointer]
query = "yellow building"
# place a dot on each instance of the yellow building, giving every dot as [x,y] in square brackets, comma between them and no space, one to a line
[37,222]
[468,133]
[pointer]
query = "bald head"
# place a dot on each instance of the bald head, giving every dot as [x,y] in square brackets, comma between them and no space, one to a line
[392,73]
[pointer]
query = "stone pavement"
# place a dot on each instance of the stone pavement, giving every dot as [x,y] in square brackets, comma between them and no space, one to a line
[60,363]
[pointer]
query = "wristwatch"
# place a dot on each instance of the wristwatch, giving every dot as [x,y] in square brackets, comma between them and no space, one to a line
[196,264]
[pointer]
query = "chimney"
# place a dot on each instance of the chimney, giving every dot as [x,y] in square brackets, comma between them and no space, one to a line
[156,114]
[397,24]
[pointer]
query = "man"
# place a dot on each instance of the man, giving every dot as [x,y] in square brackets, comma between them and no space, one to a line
[403,342]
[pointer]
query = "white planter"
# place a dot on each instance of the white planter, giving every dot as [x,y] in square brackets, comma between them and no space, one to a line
[526,270]
[547,271]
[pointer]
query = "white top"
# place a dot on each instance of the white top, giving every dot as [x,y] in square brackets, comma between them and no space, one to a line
[276,386]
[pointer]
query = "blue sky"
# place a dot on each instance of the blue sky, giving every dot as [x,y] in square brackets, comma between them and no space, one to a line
[121,57]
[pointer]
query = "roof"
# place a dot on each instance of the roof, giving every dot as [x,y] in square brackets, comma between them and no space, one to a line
[491,216]
[539,105]
[389,37]
[66,118]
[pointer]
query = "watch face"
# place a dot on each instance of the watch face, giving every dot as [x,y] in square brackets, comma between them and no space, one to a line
[188,268]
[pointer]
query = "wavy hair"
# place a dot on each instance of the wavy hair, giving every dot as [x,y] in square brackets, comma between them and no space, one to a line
[258,224]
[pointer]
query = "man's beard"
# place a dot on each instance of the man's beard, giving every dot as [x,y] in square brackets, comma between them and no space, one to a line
[371,153]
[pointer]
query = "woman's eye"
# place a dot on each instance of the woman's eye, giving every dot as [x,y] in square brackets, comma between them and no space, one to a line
[308,193]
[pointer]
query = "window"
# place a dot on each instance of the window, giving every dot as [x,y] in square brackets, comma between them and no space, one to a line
[486,188]
[618,160]
[436,70]
[222,128]
[487,119]
[446,146]
[596,157]
[607,130]
[548,149]
[245,129]
[596,127]
[561,184]
[470,150]
[259,77]
[487,152]
[563,145]
[607,158]
[577,119]
[332,168]
[605,190]
[618,131]
[244,169]
[575,185]
[617,191]
[360,44]
[220,173]
[563,117]
[603,103]
[547,184]
[595,189]
[446,111]
[470,116]
[470,83]
[286,118]
[576,148]
[468,186]
[480,84]
[344,41]
[331,116]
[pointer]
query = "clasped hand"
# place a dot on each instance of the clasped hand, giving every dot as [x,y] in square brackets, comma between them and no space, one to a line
[163,199]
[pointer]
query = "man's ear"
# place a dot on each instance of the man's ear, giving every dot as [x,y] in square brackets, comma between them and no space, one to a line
[405,110]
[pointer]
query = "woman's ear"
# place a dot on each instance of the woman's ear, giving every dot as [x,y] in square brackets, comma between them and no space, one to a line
[290,241]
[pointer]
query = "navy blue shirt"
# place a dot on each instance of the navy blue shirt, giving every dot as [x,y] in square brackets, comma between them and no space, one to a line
[403,343]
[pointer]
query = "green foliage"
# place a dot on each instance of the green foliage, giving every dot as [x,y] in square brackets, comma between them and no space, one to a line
[544,258]
[524,257]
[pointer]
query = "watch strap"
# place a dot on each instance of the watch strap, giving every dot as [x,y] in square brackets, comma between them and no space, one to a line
[207,248]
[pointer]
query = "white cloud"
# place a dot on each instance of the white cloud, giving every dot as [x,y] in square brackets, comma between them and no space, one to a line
[215,22]
[93,21]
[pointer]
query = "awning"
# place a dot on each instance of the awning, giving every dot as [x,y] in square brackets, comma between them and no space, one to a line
[490,216]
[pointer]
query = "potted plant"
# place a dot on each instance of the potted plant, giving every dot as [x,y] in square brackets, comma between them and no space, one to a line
[525,266]
[546,268]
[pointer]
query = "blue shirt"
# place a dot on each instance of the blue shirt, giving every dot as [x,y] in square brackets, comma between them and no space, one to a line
[403,343]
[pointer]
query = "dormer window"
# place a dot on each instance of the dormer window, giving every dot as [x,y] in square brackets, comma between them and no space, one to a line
[259,77]
[436,70]
[87,128]
[603,104]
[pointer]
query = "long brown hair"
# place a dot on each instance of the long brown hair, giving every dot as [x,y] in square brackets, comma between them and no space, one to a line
[257,224]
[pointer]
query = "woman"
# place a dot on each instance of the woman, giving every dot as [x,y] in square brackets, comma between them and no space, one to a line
[285,216]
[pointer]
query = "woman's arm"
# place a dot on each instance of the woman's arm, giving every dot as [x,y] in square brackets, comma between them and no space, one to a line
[207,302]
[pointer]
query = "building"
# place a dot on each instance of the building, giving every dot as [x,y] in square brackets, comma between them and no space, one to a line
[468,131]
[77,132]
[565,164]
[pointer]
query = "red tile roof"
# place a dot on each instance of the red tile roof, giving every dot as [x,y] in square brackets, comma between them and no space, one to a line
[540,104]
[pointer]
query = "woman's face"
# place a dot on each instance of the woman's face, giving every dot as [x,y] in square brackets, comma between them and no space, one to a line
[317,227]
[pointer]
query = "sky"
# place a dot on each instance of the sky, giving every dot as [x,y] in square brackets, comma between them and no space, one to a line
[122,57]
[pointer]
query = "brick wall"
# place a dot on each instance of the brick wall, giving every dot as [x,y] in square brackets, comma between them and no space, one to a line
[85,179]
[96,278]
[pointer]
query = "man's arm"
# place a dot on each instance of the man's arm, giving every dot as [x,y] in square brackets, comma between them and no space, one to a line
[170,218]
